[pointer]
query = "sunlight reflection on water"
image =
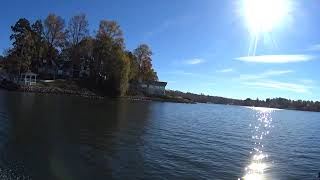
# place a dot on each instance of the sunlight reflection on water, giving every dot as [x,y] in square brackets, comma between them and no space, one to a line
[260,129]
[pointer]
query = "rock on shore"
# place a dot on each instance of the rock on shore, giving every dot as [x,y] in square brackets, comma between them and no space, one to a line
[53,90]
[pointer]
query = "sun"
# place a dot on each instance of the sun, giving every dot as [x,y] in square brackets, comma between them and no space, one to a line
[263,16]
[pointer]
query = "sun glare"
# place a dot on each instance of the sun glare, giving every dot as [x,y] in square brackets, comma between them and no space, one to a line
[259,164]
[264,15]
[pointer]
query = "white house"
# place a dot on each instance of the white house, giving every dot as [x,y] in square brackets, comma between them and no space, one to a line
[149,87]
[27,79]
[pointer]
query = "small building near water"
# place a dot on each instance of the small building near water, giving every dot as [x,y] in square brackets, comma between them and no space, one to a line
[149,87]
[27,79]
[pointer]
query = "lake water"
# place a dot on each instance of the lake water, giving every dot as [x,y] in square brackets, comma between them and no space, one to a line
[74,138]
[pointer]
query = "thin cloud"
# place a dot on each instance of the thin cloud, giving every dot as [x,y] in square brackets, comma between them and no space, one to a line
[165,25]
[195,61]
[180,72]
[276,72]
[263,80]
[307,81]
[228,70]
[265,74]
[172,82]
[315,47]
[284,86]
[169,23]
[276,58]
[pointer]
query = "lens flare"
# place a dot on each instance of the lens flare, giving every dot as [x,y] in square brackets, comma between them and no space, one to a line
[262,17]
[265,15]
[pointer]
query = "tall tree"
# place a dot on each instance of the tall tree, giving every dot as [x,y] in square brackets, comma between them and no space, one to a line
[110,30]
[22,51]
[39,45]
[78,29]
[143,54]
[55,36]
[28,46]
[54,30]
[134,66]
[109,38]
[111,62]
[85,51]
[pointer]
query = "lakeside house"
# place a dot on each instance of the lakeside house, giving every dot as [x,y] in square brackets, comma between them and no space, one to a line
[65,69]
[149,87]
[3,74]
[84,70]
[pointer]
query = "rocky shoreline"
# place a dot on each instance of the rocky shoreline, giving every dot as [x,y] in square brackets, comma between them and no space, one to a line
[59,91]
[9,86]
[159,99]
[89,94]
[85,93]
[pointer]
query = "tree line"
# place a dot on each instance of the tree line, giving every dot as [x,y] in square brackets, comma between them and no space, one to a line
[280,103]
[44,44]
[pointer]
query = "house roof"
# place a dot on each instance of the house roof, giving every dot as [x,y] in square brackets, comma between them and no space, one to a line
[156,83]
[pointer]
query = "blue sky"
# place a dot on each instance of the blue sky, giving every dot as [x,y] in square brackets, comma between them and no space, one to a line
[203,46]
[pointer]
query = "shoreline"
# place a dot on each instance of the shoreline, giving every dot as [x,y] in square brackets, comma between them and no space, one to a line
[87,93]
[59,91]
[158,99]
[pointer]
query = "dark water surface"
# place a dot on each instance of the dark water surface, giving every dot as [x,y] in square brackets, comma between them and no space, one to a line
[72,138]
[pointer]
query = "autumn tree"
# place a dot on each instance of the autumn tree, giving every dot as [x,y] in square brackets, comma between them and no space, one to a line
[143,54]
[134,66]
[21,53]
[111,62]
[55,36]
[85,51]
[54,30]
[78,29]
[27,47]
[39,46]
[110,31]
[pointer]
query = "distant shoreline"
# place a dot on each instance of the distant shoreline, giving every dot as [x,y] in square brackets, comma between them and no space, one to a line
[277,103]
[171,96]
[159,99]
